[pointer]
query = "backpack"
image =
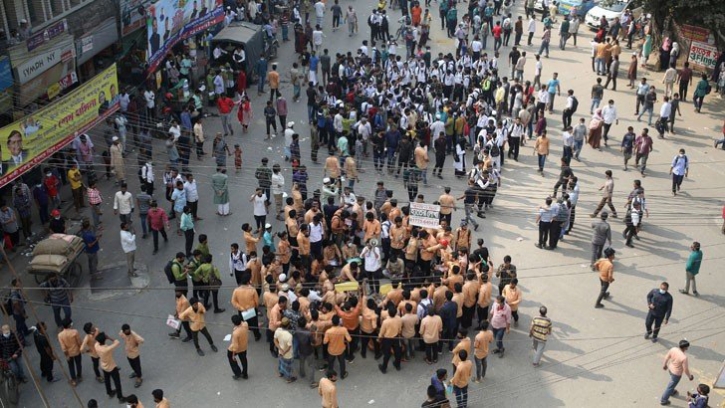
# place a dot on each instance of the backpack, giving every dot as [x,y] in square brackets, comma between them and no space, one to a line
[169,272]
[574,104]
[562,215]
[426,307]
[495,150]
[677,159]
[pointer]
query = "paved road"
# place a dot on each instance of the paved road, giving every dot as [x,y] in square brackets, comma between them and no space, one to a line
[596,358]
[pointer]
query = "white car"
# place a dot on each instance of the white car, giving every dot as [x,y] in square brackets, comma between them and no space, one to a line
[611,9]
[539,6]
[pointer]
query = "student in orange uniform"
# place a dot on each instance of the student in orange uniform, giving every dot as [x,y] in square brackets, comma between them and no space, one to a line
[70,343]
[389,334]
[461,378]
[133,341]
[513,296]
[196,313]
[464,343]
[410,321]
[337,338]
[89,346]
[328,390]
[430,329]
[245,297]
[108,365]
[181,304]
[238,347]
[350,317]
[480,350]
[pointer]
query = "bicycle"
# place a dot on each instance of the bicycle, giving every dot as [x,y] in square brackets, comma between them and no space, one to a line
[9,386]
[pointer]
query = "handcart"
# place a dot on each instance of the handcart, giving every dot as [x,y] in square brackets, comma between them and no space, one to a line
[57,254]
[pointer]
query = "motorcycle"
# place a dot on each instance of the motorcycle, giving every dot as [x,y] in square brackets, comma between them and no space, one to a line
[270,48]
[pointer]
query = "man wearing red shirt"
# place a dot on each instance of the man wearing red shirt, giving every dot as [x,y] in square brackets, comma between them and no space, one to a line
[158,223]
[497,30]
[226,105]
[51,184]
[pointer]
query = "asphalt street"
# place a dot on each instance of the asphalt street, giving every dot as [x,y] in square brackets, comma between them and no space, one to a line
[595,358]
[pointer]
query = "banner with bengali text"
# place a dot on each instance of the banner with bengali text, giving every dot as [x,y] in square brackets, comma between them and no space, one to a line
[29,141]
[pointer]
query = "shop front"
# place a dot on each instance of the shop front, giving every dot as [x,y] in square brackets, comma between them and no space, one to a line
[50,65]
[96,50]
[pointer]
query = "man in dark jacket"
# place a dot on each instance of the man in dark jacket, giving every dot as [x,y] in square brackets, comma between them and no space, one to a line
[12,352]
[659,302]
[448,313]
[46,353]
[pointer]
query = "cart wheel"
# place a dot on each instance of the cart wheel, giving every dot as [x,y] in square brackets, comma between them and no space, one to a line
[74,274]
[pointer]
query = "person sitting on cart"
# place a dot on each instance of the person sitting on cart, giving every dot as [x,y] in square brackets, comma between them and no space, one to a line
[57,223]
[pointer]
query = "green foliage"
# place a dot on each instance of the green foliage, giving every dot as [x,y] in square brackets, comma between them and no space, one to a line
[704,13]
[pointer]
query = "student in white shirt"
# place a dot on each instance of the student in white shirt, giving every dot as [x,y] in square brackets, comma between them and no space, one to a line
[128,243]
[609,114]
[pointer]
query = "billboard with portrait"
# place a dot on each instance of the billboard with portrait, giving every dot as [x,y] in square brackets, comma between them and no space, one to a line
[133,15]
[171,21]
[34,138]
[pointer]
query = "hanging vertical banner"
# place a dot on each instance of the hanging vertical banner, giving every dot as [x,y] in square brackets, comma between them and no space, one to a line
[171,21]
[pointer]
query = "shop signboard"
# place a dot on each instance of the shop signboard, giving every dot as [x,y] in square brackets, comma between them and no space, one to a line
[47,34]
[703,56]
[34,138]
[38,64]
[694,33]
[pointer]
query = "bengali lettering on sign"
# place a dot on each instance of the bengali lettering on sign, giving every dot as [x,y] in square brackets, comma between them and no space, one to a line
[42,37]
[47,130]
[425,215]
[695,33]
[703,56]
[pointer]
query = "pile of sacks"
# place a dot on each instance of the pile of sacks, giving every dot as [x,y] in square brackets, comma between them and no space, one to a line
[53,253]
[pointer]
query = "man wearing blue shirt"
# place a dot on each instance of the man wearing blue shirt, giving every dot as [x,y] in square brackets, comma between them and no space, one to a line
[554,89]
[679,170]
[92,248]
[267,238]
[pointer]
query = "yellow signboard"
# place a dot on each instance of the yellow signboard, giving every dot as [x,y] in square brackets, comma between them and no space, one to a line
[34,138]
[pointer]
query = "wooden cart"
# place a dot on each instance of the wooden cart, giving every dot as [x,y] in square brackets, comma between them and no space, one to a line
[71,271]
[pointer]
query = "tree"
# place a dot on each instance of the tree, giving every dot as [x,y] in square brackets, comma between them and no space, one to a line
[703,13]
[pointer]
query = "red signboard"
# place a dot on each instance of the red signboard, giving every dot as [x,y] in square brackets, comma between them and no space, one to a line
[694,33]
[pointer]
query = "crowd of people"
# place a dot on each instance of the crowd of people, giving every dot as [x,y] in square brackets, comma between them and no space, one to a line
[316,281]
